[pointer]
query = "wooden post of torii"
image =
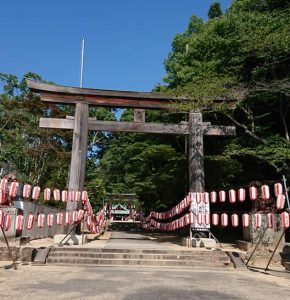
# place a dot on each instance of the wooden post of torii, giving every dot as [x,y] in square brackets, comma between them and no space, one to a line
[195,128]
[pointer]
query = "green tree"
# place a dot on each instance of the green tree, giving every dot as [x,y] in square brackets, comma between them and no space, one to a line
[215,10]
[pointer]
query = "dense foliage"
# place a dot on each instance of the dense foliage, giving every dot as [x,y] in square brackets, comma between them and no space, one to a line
[241,55]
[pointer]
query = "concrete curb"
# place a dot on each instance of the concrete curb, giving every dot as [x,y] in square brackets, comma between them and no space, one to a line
[237,261]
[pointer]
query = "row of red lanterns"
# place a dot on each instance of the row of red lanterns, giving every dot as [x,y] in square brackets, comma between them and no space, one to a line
[216,219]
[34,193]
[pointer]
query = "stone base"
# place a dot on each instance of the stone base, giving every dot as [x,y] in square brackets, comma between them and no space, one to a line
[207,243]
[71,239]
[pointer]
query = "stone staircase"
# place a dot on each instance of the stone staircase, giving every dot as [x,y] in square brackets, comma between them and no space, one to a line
[80,256]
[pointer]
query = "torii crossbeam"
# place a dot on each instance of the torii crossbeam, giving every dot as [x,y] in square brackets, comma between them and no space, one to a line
[195,128]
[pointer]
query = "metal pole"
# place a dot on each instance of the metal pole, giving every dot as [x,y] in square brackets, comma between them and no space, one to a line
[9,249]
[286,191]
[82,62]
[275,250]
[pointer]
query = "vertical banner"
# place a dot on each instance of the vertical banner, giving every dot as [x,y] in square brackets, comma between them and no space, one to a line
[201,210]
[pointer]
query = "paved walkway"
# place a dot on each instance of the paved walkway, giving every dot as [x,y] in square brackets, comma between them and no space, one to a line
[125,240]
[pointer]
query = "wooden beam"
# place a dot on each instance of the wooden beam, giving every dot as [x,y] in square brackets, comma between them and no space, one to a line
[114,126]
[112,98]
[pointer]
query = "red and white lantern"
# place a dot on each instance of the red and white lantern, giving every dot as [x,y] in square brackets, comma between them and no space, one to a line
[64,196]
[71,196]
[199,218]
[89,220]
[278,189]
[47,194]
[2,197]
[222,196]
[13,189]
[26,191]
[35,193]
[2,217]
[198,197]
[81,214]
[19,223]
[270,217]
[206,197]
[207,219]
[7,222]
[215,219]
[213,197]
[265,192]
[50,218]
[74,216]
[235,220]
[224,220]
[78,196]
[258,220]
[232,196]
[30,221]
[40,220]
[253,192]
[56,195]
[280,203]
[59,218]
[67,217]
[285,219]
[246,220]
[242,195]
[3,184]
[84,196]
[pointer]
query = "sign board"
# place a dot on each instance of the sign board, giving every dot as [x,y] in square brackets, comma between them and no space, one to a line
[201,211]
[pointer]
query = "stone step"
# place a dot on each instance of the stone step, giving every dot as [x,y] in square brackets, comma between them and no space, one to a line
[213,257]
[121,262]
[141,251]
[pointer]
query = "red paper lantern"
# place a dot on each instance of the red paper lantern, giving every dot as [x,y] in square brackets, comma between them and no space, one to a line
[64,196]
[78,195]
[59,218]
[199,218]
[56,195]
[13,189]
[2,217]
[278,189]
[246,220]
[40,220]
[258,220]
[222,196]
[207,219]
[280,203]
[81,214]
[242,194]
[215,219]
[206,197]
[191,218]
[232,196]
[30,221]
[213,197]
[67,218]
[285,219]
[270,217]
[253,192]
[265,192]
[71,196]
[47,194]
[74,216]
[35,193]
[19,223]
[2,197]
[224,220]
[26,191]
[84,196]
[50,218]
[7,222]
[3,184]
[235,220]
[198,197]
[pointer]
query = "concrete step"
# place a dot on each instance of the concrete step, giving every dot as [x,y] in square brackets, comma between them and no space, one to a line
[121,262]
[190,257]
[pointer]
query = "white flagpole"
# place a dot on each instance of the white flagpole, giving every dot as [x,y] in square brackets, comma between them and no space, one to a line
[82,62]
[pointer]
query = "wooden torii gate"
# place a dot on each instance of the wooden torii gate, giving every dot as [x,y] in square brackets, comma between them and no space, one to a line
[195,128]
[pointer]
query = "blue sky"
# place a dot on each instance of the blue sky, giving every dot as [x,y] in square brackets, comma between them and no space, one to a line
[126,40]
